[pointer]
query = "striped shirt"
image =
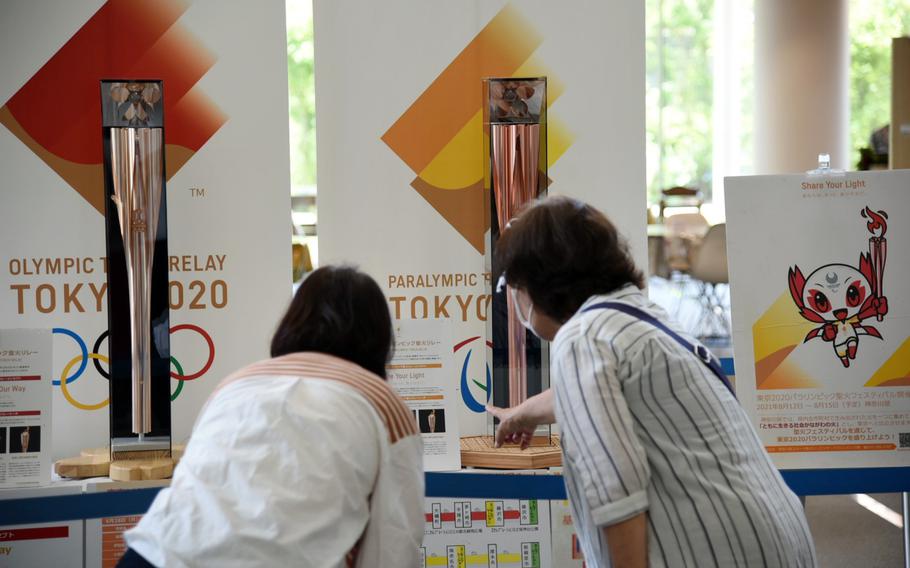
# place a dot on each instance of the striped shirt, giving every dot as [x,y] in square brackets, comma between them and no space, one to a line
[647,427]
[302,460]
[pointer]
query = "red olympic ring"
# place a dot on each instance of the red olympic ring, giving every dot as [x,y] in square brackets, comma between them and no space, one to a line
[208,363]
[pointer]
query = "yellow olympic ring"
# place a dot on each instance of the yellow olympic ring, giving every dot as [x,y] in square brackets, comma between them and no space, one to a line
[65,389]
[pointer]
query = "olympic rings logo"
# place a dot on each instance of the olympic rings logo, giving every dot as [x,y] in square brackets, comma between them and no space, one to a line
[97,359]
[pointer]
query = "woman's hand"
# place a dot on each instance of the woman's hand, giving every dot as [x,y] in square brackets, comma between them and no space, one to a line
[517,424]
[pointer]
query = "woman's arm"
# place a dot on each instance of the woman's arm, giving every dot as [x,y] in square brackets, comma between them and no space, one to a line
[628,542]
[517,424]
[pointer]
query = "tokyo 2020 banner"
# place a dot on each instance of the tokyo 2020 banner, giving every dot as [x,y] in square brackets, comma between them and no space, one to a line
[226,136]
[398,99]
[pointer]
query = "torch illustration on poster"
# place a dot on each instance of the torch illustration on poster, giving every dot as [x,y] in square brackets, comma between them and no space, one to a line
[841,297]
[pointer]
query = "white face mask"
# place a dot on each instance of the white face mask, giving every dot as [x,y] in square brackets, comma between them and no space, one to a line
[525,320]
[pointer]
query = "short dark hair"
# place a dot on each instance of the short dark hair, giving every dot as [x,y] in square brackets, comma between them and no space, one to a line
[340,311]
[563,251]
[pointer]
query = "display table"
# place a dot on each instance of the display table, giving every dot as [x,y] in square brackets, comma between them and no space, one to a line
[50,522]
[102,509]
[131,498]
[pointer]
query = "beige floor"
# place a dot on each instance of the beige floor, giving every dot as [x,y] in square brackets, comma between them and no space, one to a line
[848,535]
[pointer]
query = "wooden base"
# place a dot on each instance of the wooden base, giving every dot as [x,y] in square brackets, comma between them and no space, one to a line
[82,466]
[135,470]
[96,462]
[478,451]
[536,441]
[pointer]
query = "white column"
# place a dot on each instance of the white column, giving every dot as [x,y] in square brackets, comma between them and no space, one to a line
[802,61]
[733,49]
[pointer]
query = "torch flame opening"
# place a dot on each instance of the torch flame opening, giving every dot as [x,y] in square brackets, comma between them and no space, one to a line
[876,221]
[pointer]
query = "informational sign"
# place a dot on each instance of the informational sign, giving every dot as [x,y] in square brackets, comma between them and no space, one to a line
[25,407]
[418,372]
[227,169]
[400,164]
[104,542]
[45,544]
[819,267]
[495,533]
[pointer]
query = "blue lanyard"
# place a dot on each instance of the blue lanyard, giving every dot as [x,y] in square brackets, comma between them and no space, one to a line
[699,350]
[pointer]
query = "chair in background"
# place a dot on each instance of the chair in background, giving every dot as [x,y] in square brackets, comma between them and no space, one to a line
[301,260]
[679,196]
[682,235]
[709,268]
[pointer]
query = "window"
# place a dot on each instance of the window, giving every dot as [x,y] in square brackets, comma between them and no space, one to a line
[302,130]
[872,25]
[699,95]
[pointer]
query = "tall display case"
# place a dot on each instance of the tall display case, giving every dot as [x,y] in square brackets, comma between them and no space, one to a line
[137,275]
[515,174]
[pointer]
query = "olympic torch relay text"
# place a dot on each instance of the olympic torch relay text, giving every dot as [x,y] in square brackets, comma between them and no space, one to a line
[48,285]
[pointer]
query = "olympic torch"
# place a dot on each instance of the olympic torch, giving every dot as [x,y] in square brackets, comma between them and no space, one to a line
[134,160]
[137,194]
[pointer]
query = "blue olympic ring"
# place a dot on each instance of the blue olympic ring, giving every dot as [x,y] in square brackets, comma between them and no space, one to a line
[72,379]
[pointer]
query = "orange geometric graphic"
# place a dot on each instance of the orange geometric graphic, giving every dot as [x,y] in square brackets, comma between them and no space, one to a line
[57,113]
[895,372]
[775,336]
[440,136]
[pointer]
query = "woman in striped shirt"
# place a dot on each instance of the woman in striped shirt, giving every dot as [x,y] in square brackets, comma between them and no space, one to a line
[661,464]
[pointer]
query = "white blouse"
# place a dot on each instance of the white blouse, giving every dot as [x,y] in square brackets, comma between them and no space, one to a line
[304,460]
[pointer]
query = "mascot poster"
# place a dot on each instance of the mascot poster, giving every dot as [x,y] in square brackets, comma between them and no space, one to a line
[820,286]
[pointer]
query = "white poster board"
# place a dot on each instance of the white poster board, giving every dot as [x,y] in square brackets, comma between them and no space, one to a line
[418,371]
[819,267]
[104,542]
[42,544]
[228,202]
[25,407]
[486,532]
[400,162]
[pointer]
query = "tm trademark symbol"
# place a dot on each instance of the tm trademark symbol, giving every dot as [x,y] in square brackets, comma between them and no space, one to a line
[197,191]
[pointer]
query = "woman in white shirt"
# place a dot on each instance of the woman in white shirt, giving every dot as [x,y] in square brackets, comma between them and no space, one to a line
[305,459]
[661,464]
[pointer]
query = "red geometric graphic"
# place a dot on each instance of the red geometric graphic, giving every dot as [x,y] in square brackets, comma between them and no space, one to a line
[57,113]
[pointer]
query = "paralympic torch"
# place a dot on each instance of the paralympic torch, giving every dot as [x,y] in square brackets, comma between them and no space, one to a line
[515,116]
[878,248]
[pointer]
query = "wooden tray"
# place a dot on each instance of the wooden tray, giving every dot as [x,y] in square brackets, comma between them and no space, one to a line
[478,451]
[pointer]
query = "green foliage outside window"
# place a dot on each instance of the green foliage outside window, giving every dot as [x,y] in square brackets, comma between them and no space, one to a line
[872,25]
[302,105]
[679,93]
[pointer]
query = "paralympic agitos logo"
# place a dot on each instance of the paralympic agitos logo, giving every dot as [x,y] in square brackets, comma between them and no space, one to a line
[474,352]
